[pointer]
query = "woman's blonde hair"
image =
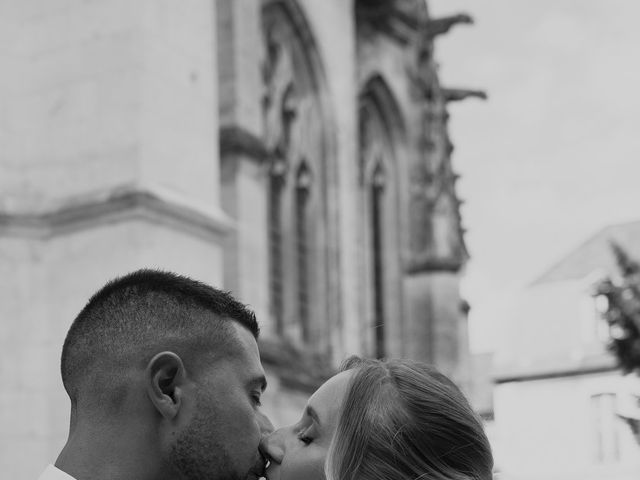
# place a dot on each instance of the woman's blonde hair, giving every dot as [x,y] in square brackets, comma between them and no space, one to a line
[404,420]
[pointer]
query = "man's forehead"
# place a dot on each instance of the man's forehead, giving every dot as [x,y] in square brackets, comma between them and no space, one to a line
[244,339]
[247,355]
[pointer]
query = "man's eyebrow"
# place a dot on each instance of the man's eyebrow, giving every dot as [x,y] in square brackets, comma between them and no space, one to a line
[313,414]
[259,381]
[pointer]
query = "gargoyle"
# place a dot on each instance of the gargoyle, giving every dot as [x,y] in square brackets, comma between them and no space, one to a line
[438,26]
[457,94]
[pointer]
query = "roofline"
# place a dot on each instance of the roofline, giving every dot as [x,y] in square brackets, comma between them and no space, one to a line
[600,232]
[548,375]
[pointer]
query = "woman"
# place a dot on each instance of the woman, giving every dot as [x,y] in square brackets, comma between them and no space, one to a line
[382,420]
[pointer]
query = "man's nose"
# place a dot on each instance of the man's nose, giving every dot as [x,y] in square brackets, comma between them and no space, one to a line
[272,446]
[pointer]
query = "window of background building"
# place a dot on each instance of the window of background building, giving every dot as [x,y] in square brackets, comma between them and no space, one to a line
[605,427]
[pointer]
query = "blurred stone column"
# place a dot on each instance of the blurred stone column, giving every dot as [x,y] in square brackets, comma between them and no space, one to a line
[243,156]
[109,162]
[436,329]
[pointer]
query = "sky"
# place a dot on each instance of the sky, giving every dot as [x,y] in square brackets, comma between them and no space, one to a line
[553,155]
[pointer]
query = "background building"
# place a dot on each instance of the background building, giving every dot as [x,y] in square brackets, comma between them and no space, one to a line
[558,392]
[293,152]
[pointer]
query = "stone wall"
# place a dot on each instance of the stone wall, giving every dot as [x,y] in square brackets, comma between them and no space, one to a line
[109,163]
[136,134]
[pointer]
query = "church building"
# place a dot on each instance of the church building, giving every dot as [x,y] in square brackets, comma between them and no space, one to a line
[294,152]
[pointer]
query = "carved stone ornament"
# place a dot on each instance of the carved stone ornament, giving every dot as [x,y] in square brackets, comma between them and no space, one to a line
[440,26]
[436,240]
[279,103]
[293,123]
[458,94]
[398,19]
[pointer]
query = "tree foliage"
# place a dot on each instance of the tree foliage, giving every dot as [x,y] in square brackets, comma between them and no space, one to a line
[623,310]
[623,317]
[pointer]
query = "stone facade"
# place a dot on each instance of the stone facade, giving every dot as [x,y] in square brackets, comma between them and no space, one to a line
[293,152]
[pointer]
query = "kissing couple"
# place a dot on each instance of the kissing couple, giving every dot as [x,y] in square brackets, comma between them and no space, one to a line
[165,381]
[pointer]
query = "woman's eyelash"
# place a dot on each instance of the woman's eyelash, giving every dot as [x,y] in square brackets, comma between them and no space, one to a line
[256,399]
[303,435]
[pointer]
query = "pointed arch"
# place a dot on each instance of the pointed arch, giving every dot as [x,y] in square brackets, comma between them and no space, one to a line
[376,90]
[382,136]
[299,132]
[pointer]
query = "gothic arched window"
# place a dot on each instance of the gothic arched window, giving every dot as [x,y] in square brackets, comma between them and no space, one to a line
[379,237]
[302,225]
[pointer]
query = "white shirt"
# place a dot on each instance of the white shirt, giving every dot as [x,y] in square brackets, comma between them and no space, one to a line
[53,473]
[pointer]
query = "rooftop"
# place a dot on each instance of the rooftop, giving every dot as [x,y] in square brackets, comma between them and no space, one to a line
[595,254]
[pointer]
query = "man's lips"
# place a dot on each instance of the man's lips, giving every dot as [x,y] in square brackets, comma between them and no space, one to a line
[255,475]
[259,469]
[266,473]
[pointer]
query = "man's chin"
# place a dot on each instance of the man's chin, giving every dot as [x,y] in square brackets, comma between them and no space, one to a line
[257,472]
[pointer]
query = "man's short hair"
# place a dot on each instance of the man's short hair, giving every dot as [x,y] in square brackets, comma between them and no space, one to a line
[134,317]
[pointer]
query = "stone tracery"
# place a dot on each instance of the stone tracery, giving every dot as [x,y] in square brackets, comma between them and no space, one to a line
[296,139]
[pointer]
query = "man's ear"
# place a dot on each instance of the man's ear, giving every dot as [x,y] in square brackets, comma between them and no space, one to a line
[166,376]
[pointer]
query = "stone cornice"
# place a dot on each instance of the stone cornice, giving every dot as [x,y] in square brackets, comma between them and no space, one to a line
[237,140]
[418,265]
[121,204]
[601,364]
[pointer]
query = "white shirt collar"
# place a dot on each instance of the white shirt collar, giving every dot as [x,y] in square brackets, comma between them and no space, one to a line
[54,473]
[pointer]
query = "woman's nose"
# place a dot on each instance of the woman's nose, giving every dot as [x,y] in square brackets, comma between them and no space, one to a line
[266,427]
[272,446]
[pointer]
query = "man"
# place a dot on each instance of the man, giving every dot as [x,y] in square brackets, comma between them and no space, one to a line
[165,380]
